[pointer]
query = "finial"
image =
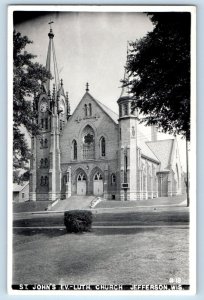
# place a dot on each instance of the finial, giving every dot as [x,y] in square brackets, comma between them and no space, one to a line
[61,82]
[51,34]
[87,87]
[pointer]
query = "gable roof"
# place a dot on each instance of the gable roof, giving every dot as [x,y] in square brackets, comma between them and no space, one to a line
[145,150]
[111,114]
[108,111]
[19,187]
[163,150]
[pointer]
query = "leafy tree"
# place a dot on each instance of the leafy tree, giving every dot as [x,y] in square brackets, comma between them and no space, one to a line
[28,78]
[158,68]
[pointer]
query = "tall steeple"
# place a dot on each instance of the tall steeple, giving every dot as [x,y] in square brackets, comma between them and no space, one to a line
[51,62]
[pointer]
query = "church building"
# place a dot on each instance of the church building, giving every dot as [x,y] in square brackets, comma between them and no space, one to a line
[94,151]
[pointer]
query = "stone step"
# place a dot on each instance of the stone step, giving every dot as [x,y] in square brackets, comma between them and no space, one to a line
[74,202]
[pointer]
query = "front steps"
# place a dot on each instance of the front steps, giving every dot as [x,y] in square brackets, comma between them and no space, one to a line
[74,202]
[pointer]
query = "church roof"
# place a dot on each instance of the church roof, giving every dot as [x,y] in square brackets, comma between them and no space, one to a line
[163,150]
[108,111]
[19,187]
[146,151]
[141,143]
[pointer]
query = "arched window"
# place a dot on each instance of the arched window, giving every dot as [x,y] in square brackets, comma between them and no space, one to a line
[74,146]
[46,162]
[65,179]
[45,143]
[88,143]
[90,110]
[46,180]
[81,177]
[41,143]
[46,123]
[125,167]
[41,162]
[102,146]
[98,176]
[120,110]
[113,179]
[41,180]
[85,110]
[126,109]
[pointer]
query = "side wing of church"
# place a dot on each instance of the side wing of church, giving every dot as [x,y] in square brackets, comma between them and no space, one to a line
[97,152]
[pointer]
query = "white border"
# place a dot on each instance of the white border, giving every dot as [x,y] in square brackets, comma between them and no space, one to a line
[192,156]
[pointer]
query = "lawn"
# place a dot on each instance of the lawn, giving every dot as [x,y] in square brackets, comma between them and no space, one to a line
[30,206]
[103,256]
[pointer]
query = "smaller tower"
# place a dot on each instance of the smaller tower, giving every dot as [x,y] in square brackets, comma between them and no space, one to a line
[128,120]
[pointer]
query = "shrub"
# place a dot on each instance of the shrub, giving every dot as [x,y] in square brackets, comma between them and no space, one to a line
[77,220]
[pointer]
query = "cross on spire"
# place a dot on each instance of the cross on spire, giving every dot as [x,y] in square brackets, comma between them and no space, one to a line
[50,23]
[87,87]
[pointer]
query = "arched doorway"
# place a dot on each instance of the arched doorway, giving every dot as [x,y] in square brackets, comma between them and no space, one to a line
[98,184]
[81,184]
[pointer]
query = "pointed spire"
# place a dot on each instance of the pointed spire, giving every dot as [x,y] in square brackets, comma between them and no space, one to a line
[87,87]
[125,88]
[51,62]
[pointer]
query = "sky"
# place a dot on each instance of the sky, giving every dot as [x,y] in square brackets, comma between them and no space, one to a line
[90,47]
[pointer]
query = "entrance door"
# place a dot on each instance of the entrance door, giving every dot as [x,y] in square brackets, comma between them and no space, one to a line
[98,184]
[81,185]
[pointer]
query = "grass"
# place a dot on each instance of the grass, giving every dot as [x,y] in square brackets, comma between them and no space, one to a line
[30,206]
[180,215]
[103,256]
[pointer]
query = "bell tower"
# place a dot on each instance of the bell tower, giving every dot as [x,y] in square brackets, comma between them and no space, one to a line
[53,112]
[128,120]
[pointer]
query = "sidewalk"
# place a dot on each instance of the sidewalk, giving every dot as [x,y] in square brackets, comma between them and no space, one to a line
[156,202]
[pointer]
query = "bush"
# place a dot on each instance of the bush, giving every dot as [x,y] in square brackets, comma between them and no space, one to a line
[77,220]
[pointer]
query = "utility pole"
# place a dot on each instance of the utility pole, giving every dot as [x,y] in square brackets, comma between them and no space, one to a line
[187,175]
